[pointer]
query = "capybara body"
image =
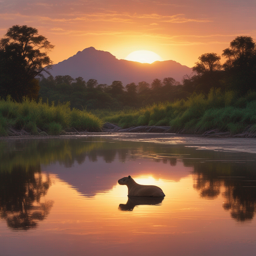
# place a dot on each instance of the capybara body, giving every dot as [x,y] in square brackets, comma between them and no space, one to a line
[135,189]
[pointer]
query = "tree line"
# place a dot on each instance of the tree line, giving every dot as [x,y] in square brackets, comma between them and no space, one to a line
[91,95]
[23,58]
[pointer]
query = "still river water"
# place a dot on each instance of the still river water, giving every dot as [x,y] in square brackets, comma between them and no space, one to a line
[61,196]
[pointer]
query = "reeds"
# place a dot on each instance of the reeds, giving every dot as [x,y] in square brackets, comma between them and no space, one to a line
[197,114]
[34,117]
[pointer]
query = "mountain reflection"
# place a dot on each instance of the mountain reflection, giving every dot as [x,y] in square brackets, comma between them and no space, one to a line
[20,192]
[136,201]
[215,174]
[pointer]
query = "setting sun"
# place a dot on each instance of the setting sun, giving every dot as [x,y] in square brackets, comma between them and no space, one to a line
[144,56]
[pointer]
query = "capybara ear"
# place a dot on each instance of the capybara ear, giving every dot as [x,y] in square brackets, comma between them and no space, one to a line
[129,176]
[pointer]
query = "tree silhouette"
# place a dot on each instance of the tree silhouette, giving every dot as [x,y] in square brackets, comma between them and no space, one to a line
[23,56]
[92,83]
[131,94]
[131,89]
[241,50]
[116,88]
[240,65]
[156,84]
[208,62]
[208,76]
[143,87]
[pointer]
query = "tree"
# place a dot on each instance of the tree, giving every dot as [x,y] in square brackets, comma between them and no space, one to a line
[131,89]
[130,98]
[92,83]
[79,83]
[116,88]
[143,87]
[209,74]
[207,62]
[169,81]
[23,57]
[240,65]
[156,84]
[241,51]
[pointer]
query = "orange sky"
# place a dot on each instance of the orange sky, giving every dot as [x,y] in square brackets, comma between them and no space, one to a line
[179,30]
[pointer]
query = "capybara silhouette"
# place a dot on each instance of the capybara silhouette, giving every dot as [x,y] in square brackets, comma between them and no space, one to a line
[135,189]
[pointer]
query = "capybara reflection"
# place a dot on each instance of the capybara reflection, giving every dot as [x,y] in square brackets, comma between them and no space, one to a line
[138,200]
[135,189]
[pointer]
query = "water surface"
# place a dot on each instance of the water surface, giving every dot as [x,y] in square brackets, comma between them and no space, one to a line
[61,197]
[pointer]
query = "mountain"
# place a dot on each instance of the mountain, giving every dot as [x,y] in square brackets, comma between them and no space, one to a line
[106,68]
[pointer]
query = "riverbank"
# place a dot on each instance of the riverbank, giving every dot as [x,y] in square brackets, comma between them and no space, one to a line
[108,127]
[229,144]
[38,118]
[112,129]
[217,115]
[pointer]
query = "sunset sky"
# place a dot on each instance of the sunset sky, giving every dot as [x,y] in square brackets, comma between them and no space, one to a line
[179,30]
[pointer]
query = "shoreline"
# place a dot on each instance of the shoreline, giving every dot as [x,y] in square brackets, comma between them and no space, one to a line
[113,129]
[208,134]
[220,144]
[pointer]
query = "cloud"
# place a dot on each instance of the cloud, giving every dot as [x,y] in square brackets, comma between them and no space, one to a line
[153,18]
[88,33]
[57,29]
[12,16]
[190,43]
[41,4]
[177,18]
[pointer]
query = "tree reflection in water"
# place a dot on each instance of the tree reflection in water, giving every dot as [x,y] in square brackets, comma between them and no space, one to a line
[239,185]
[213,173]
[20,192]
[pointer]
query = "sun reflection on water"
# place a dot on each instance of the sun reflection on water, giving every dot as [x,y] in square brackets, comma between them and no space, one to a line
[93,215]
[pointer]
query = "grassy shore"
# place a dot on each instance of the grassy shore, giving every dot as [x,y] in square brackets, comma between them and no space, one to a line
[226,112]
[37,117]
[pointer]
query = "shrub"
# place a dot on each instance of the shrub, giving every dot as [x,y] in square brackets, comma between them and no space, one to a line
[30,115]
[54,128]
[222,111]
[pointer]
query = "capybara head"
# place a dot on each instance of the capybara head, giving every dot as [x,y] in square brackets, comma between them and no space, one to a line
[124,180]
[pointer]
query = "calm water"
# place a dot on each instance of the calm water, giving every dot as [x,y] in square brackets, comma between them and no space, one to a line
[61,197]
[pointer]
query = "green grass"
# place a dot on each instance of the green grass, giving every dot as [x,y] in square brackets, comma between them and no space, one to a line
[197,114]
[31,115]
[223,111]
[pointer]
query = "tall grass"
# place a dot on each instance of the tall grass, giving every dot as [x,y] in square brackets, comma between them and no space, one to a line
[35,116]
[197,114]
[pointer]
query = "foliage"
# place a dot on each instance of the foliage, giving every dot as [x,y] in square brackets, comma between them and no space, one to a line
[197,114]
[34,116]
[91,95]
[208,62]
[237,75]
[23,57]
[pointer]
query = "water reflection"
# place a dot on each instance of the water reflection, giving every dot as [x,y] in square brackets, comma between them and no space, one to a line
[215,174]
[238,181]
[21,190]
[136,201]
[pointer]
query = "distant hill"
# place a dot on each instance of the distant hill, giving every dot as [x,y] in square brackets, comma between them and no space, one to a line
[106,68]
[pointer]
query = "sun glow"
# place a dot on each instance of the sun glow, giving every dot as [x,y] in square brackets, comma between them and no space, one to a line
[143,56]
[147,180]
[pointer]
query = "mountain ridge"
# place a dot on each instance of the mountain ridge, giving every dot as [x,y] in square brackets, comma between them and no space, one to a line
[106,68]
